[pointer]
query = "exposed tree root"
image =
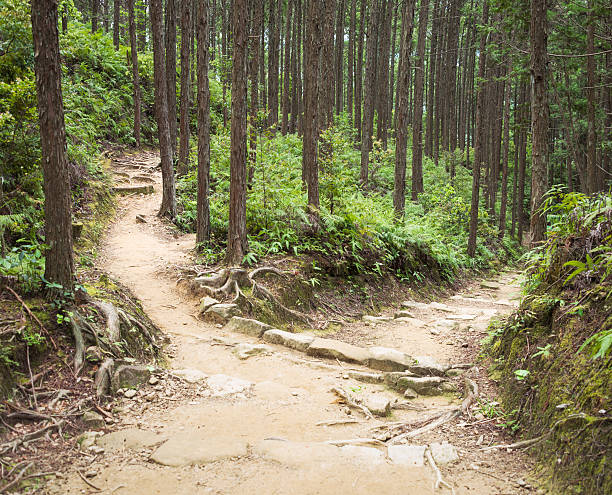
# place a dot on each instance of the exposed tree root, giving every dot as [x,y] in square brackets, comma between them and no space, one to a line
[439,480]
[103,376]
[344,395]
[230,282]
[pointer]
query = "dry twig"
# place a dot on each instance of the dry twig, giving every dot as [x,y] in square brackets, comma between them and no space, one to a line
[439,480]
[343,394]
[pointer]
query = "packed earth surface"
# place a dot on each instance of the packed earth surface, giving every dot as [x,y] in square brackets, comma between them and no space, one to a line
[235,413]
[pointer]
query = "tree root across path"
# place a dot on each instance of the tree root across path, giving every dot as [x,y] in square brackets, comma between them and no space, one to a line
[231,282]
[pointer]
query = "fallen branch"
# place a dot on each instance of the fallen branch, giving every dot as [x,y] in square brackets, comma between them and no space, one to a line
[87,481]
[338,422]
[344,395]
[437,421]
[17,479]
[32,315]
[439,480]
[12,445]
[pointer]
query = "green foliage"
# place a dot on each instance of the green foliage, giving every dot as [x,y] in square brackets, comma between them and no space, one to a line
[359,233]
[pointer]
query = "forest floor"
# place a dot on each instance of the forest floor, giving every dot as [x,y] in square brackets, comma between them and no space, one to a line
[214,423]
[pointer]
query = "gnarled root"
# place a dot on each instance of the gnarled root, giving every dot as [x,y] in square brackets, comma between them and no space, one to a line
[102,377]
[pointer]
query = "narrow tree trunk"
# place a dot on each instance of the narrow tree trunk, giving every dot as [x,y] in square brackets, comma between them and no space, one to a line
[94,15]
[370,94]
[478,135]
[351,61]
[417,124]
[255,23]
[520,210]
[237,245]
[403,90]
[431,69]
[592,182]
[389,110]
[287,72]
[203,102]
[171,69]
[339,56]
[504,188]
[326,94]
[273,60]
[168,205]
[116,17]
[295,63]
[59,265]
[539,117]
[142,25]
[135,76]
[186,23]
[359,70]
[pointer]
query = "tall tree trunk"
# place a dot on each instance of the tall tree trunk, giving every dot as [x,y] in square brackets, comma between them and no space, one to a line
[326,94]
[186,23]
[359,69]
[453,40]
[431,69]
[59,265]
[478,134]
[295,63]
[255,23]
[401,128]
[312,55]
[273,61]
[539,117]
[203,102]
[213,30]
[94,15]
[339,56]
[351,61]
[168,205]
[504,188]
[286,71]
[592,182]
[171,68]
[224,55]
[520,210]
[389,110]
[237,245]
[116,17]
[135,76]
[382,73]
[370,95]
[142,25]
[417,123]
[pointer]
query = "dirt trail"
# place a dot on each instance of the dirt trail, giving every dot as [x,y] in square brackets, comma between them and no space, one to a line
[263,437]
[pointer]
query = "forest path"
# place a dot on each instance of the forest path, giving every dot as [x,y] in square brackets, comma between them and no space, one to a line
[254,425]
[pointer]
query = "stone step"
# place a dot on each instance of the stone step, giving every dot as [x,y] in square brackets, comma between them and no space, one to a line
[139,189]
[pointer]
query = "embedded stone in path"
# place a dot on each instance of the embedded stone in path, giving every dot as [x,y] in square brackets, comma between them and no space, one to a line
[366,457]
[407,455]
[485,284]
[220,313]
[223,385]
[362,376]
[414,305]
[189,448]
[422,385]
[190,375]
[336,349]
[247,326]
[375,319]
[425,365]
[386,359]
[129,439]
[245,351]
[440,307]
[464,317]
[403,313]
[297,341]
[129,376]
[379,405]
[443,453]
[125,190]
[206,302]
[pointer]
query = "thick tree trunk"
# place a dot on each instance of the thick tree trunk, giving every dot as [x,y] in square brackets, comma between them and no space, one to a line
[59,265]
[403,90]
[203,102]
[539,118]
[237,245]
[478,135]
[168,205]
[367,126]
[171,69]
[312,54]
[135,76]
[186,23]
[417,123]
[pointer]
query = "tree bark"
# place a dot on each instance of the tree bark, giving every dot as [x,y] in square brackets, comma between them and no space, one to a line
[539,118]
[59,265]
[478,134]
[403,90]
[359,69]
[186,23]
[351,61]
[94,15]
[203,102]
[504,188]
[417,122]
[237,245]
[168,205]
[171,69]
[326,92]
[591,151]
[135,76]
[116,16]
[273,62]
[339,56]
[287,72]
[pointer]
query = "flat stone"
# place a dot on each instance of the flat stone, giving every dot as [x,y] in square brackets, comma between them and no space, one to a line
[129,439]
[485,284]
[336,349]
[189,448]
[130,376]
[206,302]
[414,305]
[190,375]
[407,455]
[220,313]
[378,404]
[393,377]
[386,359]
[375,319]
[93,420]
[125,190]
[443,453]
[440,307]
[422,385]
[410,394]
[223,385]
[246,326]
[88,439]
[297,341]
[365,457]
[402,313]
[412,321]
[362,376]
[463,317]
[130,393]
[426,365]
[295,453]
[245,351]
